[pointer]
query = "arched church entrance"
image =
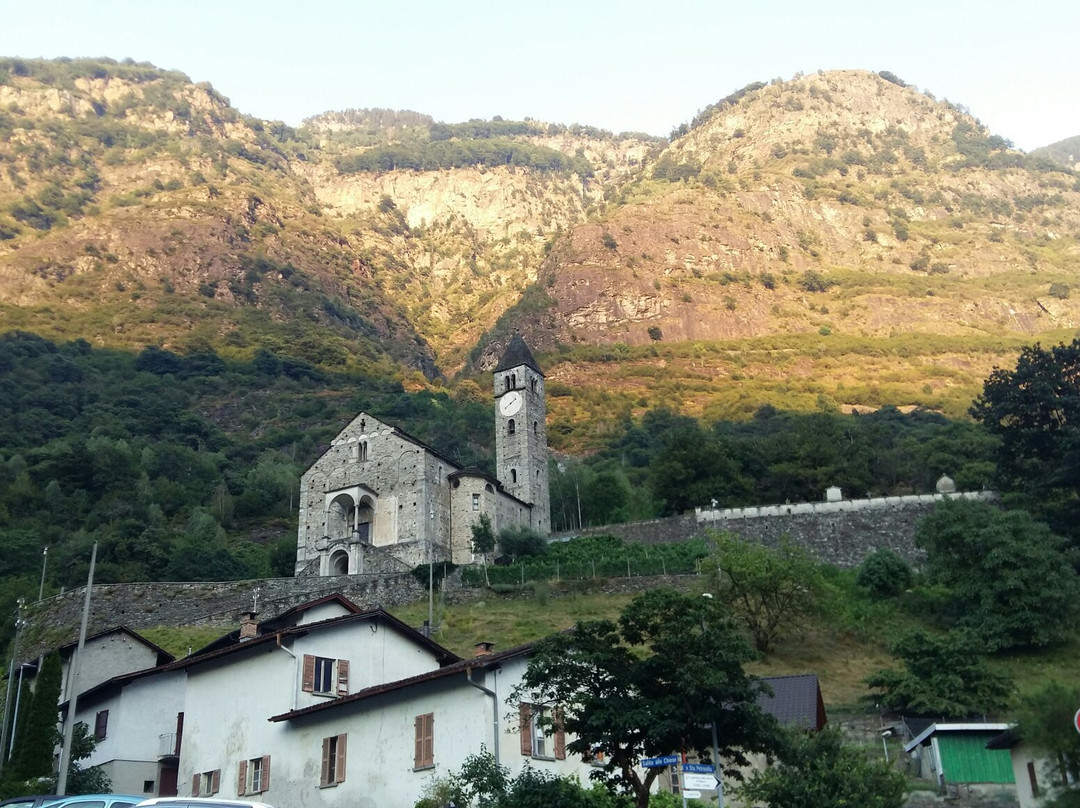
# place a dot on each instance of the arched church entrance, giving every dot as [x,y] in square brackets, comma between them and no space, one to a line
[339,563]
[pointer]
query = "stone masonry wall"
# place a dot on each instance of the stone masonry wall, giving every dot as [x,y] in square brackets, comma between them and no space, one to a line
[55,621]
[841,533]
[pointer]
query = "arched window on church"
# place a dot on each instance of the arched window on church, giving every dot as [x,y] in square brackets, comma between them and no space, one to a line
[536,428]
[511,427]
[532,384]
[363,450]
[513,475]
[513,381]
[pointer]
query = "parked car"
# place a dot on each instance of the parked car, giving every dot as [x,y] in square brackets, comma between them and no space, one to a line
[97,801]
[198,802]
[30,801]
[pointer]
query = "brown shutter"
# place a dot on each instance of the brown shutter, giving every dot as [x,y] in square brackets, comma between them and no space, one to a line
[424,750]
[525,724]
[101,725]
[215,781]
[324,776]
[195,785]
[429,739]
[418,742]
[560,736]
[308,681]
[266,773]
[339,767]
[343,677]
[179,731]
[241,780]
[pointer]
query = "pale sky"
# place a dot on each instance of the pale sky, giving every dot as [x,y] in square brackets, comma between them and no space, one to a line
[623,66]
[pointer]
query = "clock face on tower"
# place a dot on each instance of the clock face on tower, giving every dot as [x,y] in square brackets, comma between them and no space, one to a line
[510,403]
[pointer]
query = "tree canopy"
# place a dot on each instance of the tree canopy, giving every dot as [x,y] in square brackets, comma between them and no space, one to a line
[770,591]
[821,771]
[1034,410]
[653,683]
[1011,581]
[943,675]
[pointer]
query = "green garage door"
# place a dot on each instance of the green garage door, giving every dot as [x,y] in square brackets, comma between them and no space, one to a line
[965,759]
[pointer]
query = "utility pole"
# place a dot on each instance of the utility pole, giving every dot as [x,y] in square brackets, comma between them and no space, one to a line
[44,562]
[73,680]
[19,624]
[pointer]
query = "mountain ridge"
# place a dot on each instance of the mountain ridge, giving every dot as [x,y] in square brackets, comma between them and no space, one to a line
[838,208]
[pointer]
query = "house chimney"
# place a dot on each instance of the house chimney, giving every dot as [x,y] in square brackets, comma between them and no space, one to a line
[483,649]
[249,629]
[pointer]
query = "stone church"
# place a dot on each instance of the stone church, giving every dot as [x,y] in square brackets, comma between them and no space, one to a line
[379,496]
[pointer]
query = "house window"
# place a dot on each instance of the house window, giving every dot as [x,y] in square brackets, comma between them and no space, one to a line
[541,737]
[253,776]
[325,676]
[206,783]
[147,786]
[511,427]
[333,761]
[476,502]
[101,725]
[424,756]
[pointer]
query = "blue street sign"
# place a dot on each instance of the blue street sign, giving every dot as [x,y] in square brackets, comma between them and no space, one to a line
[657,762]
[698,768]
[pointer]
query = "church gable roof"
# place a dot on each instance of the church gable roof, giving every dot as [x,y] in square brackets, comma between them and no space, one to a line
[517,353]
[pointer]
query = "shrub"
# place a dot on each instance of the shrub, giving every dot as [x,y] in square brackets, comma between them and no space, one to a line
[609,241]
[655,334]
[885,574]
[812,281]
[1059,290]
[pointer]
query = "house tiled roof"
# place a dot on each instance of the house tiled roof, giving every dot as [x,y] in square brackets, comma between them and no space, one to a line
[517,353]
[796,701]
[163,655]
[231,643]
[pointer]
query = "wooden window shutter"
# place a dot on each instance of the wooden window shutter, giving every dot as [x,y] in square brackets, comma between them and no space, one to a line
[266,773]
[101,725]
[215,781]
[339,767]
[324,776]
[195,785]
[560,736]
[241,780]
[343,677]
[525,723]
[424,754]
[429,739]
[308,681]
[418,743]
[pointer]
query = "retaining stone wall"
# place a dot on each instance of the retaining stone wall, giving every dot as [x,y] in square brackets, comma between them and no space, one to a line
[55,621]
[841,533]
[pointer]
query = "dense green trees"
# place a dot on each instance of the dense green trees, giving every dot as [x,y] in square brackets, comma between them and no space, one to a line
[943,675]
[652,683]
[821,771]
[1010,581]
[170,461]
[1034,412]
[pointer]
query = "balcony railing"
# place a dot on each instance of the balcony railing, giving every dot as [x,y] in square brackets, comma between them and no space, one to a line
[167,746]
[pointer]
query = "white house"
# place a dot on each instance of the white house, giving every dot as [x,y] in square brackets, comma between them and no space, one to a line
[137,721]
[328,705]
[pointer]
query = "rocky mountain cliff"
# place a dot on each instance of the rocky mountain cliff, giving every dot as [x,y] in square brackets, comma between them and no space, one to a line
[837,240]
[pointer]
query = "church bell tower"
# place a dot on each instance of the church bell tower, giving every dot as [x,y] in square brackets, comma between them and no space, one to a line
[521,451]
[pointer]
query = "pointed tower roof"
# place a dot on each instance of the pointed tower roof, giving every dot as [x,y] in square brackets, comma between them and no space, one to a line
[517,353]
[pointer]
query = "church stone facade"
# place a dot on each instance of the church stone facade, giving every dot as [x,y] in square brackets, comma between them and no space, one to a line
[378,490]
